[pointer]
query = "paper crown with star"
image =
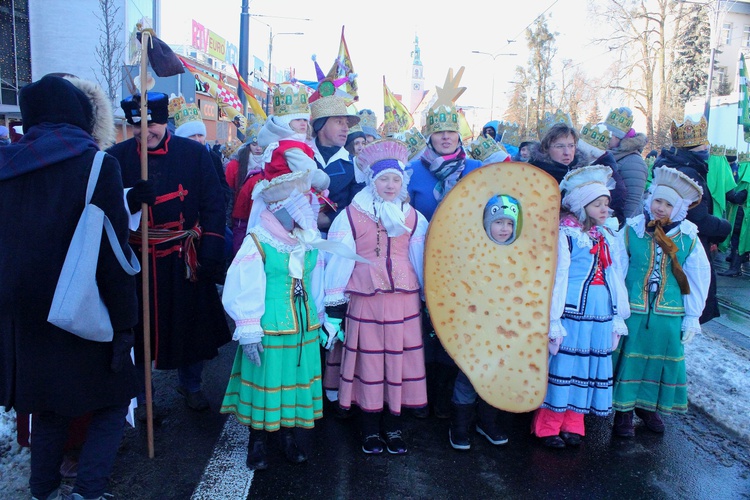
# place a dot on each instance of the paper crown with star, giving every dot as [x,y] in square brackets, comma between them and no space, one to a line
[443,116]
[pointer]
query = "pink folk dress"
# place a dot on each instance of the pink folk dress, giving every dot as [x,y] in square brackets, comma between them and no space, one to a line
[382,359]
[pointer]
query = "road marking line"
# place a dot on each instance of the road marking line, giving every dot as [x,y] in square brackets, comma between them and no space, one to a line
[226,475]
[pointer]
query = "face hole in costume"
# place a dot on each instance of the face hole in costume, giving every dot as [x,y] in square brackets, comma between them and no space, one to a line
[502,219]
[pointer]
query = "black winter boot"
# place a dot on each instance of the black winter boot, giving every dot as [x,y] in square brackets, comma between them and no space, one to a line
[735,266]
[487,425]
[292,452]
[458,434]
[256,450]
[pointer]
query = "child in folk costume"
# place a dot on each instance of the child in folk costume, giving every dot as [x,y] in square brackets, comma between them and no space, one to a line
[589,304]
[283,138]
[382,369]
[274,293]
[668,279]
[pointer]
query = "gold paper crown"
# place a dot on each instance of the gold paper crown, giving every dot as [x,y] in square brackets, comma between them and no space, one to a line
[550,120]
[621,119]
[182,112]
[368,118]
[731,152]
[441,119]
[595,136]
[690,133]
[482,147]
[510,133]
[290,100]
[415,141]
[743,157]
[717,150]
[230,148]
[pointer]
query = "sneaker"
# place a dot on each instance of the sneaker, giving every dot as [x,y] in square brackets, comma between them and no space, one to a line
[372,445]
[623,426]
[195,400]
[395,443]
[653,421]
[571,438]
[553,442]
[492,433]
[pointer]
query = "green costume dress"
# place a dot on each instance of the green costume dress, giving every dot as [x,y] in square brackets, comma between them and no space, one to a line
[649,364]
[285,390]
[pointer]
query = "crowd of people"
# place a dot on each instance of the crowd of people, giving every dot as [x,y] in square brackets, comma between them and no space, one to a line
[316,226]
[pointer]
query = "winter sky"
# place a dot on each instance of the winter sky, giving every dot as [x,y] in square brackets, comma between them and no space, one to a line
[380,39]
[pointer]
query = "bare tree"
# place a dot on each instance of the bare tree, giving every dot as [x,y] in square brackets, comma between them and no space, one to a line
[643,39]
[110,49]
[576,91]
[518,104]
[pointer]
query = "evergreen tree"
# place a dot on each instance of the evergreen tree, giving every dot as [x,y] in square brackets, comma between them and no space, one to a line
[693,56]
[518,105]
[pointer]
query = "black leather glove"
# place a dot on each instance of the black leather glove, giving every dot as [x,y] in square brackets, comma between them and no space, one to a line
[211,270]
[122,342]
[338,312]
[141,192]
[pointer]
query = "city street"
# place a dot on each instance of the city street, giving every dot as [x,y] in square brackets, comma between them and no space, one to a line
[695,458]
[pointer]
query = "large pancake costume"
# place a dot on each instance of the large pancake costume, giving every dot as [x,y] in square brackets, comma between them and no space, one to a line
[489,302]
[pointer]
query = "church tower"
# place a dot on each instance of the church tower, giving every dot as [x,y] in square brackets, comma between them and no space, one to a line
[417,77]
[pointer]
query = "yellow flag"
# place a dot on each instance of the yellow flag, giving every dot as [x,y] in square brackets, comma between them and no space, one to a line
[343,68]
[396,117]
[463,127]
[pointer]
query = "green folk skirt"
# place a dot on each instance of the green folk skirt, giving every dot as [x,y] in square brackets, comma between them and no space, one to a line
[649,366]
[284,391]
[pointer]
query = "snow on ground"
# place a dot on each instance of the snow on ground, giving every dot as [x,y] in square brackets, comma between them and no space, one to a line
[14,460]
[718,377]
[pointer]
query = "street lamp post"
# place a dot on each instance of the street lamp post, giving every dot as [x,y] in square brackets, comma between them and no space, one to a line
[493,56]
[271,36]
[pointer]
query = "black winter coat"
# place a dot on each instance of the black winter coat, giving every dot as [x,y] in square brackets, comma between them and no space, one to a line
[711,229]
[44,368]
[187,319]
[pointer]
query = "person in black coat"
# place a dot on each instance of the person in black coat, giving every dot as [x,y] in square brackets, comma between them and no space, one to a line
[45,370]
[559,153]
[690,156]
[186,239]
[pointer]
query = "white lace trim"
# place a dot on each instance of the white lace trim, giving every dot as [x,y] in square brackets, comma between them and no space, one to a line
[556,329]
[365,200]
[582,239]
[265,237]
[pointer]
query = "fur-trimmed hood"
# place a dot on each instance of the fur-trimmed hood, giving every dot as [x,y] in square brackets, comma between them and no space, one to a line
[630,145]
[103,126]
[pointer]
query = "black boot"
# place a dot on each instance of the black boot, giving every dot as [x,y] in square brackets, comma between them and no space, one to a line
[256,450]
[458,434]
[487,425]
[735,264]
[292,452]
[445,380]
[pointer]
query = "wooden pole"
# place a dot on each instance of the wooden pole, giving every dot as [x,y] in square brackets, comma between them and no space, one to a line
[145,273]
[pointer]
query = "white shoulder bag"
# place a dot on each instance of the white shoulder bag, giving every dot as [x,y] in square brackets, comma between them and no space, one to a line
[77,306]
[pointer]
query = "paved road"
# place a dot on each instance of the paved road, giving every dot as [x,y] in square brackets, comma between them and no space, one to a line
[695,458]
[202,454]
